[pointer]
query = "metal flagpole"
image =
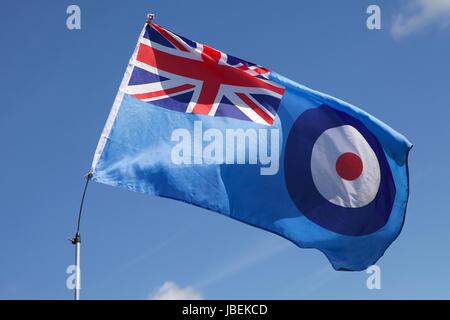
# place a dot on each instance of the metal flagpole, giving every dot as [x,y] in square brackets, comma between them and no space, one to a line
[77,242]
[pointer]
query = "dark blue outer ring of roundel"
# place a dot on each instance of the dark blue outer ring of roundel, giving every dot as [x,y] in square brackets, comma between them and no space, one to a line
[302,190]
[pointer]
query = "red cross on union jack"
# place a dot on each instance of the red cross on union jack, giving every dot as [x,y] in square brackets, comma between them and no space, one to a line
[179,74]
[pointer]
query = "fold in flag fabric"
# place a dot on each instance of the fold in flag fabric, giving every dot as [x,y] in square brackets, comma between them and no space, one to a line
[195,124]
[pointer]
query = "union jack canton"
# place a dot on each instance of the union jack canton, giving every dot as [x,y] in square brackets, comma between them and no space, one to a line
[179,74]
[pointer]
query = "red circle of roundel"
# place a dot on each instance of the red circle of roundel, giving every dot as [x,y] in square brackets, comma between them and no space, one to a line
[349,166]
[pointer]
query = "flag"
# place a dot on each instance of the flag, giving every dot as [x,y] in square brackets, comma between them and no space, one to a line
[195,124]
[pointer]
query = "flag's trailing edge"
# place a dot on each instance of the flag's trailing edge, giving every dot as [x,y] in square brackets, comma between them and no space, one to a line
[194,124]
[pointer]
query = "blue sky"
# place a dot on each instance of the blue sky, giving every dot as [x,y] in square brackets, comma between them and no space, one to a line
[57,90]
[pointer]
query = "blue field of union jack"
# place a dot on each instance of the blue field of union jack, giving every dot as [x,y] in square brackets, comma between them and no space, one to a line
[176,73]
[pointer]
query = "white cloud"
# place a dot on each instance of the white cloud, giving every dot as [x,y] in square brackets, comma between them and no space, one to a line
[419,14]
[171,291]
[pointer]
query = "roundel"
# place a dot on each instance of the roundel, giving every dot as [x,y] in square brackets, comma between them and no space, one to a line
[337,174]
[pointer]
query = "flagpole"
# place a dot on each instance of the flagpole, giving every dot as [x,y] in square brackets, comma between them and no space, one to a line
[76,241]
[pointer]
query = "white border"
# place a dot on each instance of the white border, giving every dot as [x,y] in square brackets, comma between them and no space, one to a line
[116,105]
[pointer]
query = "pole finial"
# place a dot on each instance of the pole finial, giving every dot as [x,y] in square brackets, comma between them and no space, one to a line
[150,17]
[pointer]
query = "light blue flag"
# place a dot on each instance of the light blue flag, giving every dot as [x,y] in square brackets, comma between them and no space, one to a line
[194,124]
